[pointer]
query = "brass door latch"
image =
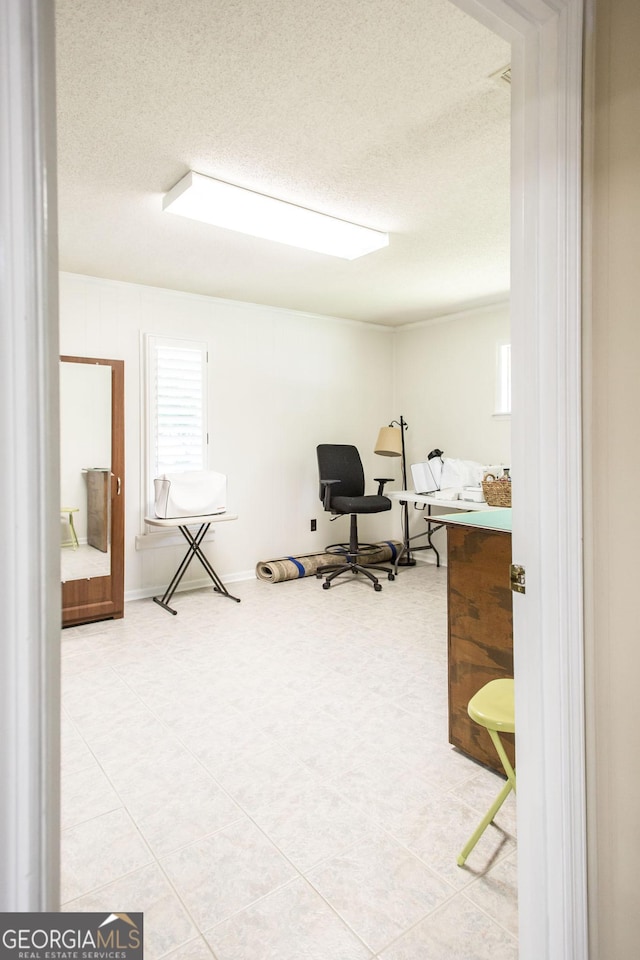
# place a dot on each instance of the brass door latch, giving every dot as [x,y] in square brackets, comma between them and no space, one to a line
[517,576]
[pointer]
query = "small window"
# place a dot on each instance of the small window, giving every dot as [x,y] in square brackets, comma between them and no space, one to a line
[177,435]
[503,380]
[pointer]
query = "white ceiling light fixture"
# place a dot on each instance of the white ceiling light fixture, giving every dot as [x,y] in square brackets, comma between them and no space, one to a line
[234,208]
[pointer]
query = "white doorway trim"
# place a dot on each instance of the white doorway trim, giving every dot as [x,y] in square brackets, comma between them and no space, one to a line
[546,37]
[547,41]
[30,555]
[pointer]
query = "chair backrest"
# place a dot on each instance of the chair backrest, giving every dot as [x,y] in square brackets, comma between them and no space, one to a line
[341,461]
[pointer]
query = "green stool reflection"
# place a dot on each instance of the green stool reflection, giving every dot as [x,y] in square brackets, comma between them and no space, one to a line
[493,707]
[70,512]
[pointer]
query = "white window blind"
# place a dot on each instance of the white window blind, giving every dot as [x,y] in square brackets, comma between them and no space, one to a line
[176,407]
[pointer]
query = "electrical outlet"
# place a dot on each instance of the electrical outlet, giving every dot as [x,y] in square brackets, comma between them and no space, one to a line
[313,526]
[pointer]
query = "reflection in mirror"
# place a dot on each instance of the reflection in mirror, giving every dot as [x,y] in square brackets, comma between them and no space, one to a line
[85,470]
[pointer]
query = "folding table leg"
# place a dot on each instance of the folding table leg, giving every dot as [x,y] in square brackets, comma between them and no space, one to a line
[193,551]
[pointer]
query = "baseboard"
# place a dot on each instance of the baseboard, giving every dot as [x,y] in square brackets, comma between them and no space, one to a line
[142,593]
[429,561]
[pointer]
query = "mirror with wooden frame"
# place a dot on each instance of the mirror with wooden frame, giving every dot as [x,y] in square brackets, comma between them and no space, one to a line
[91,489]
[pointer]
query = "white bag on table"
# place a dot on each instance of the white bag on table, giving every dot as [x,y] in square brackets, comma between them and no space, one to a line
[195,493]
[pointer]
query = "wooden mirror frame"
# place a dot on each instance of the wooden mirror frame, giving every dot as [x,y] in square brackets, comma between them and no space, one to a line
[102,598]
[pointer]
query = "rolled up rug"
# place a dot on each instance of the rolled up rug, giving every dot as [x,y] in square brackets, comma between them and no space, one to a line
[293,568]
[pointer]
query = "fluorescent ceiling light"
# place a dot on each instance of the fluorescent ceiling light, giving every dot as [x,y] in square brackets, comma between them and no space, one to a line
[234,208]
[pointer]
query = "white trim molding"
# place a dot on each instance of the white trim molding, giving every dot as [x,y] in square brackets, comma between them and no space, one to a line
[143,593]
[29,480]
[546,38]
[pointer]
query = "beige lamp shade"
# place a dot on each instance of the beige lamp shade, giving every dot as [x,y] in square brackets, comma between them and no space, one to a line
[389,443]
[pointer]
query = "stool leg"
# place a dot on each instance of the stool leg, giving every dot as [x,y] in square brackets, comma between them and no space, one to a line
[73,531]
[484,823]
[504,759]
[497,803]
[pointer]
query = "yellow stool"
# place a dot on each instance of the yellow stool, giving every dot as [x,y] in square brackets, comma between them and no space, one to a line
[70,511]
[492,707]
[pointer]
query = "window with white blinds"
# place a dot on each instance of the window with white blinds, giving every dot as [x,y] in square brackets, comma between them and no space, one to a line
[176,407]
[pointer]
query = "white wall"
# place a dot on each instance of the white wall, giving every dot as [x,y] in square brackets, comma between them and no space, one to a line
[445,387]
[612,453]
[280,383]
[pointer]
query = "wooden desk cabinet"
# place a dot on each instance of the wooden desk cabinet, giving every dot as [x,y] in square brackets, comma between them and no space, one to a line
[480,630]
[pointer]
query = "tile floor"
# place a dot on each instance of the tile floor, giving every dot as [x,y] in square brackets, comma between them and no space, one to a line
[83,561]
[271,780]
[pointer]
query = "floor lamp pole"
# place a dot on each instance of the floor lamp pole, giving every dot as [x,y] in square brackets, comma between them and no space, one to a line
[406,560]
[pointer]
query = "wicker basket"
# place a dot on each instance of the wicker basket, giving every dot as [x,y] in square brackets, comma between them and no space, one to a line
[497,493]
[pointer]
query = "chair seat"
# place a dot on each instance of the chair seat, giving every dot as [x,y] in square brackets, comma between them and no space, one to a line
[493,707]
[370,503]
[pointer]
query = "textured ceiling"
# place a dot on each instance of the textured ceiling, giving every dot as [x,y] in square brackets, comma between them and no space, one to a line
[378,111]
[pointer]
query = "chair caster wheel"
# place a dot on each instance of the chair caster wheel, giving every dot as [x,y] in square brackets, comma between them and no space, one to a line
[391,576]
[325,586]
[377,587]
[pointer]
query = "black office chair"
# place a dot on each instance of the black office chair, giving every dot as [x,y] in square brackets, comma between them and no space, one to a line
[342,492]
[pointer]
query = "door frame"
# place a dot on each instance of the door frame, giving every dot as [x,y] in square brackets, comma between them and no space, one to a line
[546,149]
[546,39]
[30,477]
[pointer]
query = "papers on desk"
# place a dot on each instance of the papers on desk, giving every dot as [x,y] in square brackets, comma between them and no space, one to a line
[426,475]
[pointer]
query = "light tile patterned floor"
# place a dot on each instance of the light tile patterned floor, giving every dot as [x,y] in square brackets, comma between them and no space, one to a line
[271,780]
[83,561]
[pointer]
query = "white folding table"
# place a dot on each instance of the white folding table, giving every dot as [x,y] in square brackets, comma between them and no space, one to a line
[194,540]
[422,501]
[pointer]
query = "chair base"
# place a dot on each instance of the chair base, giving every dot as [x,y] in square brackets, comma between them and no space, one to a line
[351,552]
[332,570]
